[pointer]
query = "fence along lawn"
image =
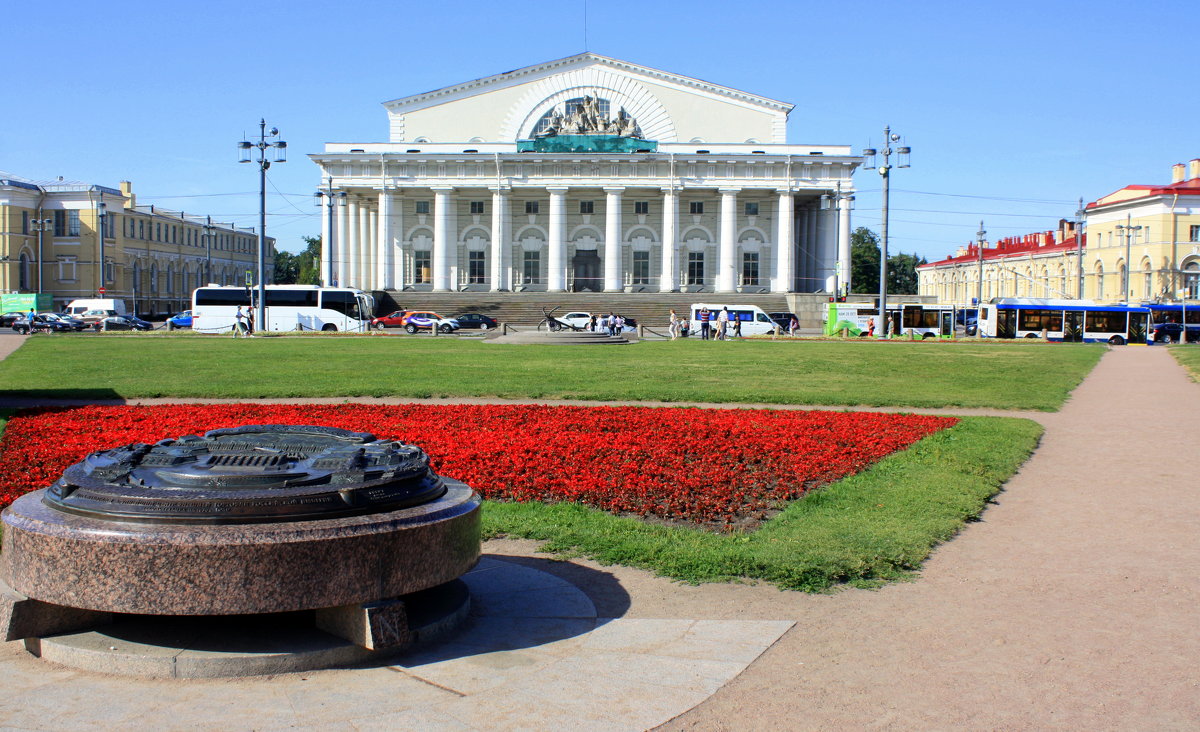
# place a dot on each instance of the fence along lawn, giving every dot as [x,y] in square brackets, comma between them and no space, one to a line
[921,374]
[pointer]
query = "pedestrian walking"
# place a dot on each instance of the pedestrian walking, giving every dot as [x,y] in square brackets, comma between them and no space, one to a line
[239,322]
[793,326]
[723,324]
[673,326]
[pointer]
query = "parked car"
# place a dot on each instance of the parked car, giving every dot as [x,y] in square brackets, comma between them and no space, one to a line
[426,319]
[41,324]
[1171,333]
[74,323]
[180,320]
[394,320]
[972,327]
[578,321]
[91,317]
[783,320]
[476,320]
[122,322]
[7,320]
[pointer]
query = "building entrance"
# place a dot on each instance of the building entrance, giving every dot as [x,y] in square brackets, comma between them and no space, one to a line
[586,265]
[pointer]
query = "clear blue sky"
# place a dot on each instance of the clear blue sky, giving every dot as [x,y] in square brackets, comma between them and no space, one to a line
[1014,110]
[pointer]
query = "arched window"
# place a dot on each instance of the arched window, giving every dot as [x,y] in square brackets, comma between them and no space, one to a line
[1099,281]
[154,277]
[1123,280]
[1147,280]
[1191,280]
[23,277]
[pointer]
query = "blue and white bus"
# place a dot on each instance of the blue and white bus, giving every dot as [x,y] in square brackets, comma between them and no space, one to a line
[289,307]
[1078,321]
[1169,321]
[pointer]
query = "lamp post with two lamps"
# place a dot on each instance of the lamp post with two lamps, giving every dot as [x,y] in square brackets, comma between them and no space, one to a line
[1128,230]
[885,172]
[332,199]
[280,149]
[41,226]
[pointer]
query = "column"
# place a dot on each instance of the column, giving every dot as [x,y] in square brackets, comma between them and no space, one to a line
[501,233]
[843,244]
[785,245]
[443,239]
[349,261]
[613,281]
[810,252]
[397,241]
[326,243]
[669,281]
[727,251]
[364,246]
[384,247]
[828,232]
[556,240]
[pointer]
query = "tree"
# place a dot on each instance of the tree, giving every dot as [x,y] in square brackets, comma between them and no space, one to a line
[302,268]
[864,261]
[864,266]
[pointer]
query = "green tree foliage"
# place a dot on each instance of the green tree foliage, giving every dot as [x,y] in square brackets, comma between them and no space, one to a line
[864,266]
[302,268]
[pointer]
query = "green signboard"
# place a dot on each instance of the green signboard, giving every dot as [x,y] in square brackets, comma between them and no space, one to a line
[25,301]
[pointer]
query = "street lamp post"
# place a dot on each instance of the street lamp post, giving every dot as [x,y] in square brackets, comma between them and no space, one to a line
[979,241]
[208,235]
[1079,223]
[245,156]
[1129,230]
[885,171]
[331,199]
[41,226]
[101,214]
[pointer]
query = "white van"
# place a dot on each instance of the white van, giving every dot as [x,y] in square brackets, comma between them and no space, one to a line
[754,320]
[79,307]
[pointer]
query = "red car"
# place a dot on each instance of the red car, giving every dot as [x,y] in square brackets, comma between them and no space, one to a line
[395,320]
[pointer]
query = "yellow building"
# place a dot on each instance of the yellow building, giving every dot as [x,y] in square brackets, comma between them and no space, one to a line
[1044,264]
[1154,228]
[153,258]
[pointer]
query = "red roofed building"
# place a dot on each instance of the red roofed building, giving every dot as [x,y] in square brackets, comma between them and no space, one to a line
[1032,265]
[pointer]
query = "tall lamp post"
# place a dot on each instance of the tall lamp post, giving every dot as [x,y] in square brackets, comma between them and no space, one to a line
[979,241]
[331,200]
[885,171]
[245,156]
[41,226]
[101,215]
[1080,213]
[1129,230]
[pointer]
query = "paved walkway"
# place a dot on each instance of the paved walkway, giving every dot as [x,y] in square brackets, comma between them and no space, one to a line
[1071,605]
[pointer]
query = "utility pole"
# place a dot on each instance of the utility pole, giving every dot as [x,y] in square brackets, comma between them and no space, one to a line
[1129,230]
[328,274]
[280,148]
[41,226]
[885,173]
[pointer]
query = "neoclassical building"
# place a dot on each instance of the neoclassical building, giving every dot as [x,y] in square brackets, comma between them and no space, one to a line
[587,174]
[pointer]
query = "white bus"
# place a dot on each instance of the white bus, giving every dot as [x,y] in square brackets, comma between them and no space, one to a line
[754,320]
[905,320]
[289,307]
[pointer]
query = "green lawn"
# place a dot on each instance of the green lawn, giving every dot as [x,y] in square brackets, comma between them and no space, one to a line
[1189,356]
[921,374]
[871,527]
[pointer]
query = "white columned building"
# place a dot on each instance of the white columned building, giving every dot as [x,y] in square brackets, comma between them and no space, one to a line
[589,173]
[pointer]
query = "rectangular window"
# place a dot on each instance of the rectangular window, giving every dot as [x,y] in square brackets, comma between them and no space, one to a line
[641,207]
[476,207]
[422,207]
[696,207]
[1194,233]
[587,207]
[141,229]
[751,208]
[158,232]
[73,223]
[66,269]
[24,222]
[531,207]
[1037,320]
[475,268]
[422,264]
[60,224]
[695,270]
[292,298]
[531,267]
[641,268]
[110,225]
[749,268]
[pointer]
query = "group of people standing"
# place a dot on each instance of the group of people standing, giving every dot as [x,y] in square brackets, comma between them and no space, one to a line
[613,324]
[718,326]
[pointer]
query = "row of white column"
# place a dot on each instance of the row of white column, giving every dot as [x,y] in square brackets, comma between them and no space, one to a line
[364,243]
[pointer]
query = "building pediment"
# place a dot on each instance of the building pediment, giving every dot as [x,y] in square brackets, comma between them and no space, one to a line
[516,105]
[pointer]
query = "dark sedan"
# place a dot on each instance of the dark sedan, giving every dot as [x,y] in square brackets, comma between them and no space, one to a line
[8,319]
[1172,333]
[122,322]
[475,320]
[42,324]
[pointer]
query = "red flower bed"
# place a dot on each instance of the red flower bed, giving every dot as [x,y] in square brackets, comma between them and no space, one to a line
[708,466]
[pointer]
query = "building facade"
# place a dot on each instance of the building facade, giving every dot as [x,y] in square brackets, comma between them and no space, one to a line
[1044,264]
[587,174]
[153,258]
[1144,240]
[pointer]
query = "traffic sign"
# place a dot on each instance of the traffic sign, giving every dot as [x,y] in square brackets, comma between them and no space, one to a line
[101,290]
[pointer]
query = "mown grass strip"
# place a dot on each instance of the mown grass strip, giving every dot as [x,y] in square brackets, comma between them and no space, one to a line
[1189,358]
[875,526]
[920,374]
